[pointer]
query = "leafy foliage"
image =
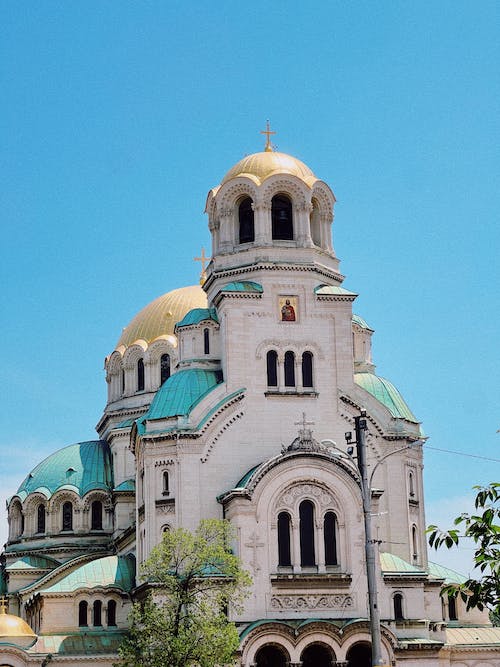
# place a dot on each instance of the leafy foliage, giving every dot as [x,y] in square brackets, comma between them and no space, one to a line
[184,622]
[483,528]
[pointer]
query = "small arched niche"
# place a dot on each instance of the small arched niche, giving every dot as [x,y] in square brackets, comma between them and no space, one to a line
[246,227]
[282,218]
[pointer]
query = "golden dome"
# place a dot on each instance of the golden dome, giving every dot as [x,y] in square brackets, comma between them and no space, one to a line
[267,163]
[13,630]
[160,316]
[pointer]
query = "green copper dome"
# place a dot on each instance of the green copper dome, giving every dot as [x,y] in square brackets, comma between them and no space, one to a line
[107,572]
[80,467]
[387,394]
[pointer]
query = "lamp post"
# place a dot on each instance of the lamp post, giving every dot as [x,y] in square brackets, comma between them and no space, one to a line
[360,426]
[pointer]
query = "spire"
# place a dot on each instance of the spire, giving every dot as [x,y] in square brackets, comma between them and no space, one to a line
[268,132]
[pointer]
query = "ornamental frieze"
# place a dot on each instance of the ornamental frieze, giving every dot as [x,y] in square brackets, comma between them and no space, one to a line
[298,601]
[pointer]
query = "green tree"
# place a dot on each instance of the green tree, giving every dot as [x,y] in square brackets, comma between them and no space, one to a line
[183,622]
[483,528]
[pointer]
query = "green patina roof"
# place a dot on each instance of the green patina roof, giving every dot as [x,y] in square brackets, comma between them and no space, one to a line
[360,322]
[89,643]
[247,477]
[391,563]
[387,394]
[180,393]
[110,571]
[33,563]
[449,576]
[198,315]
[80,467]
[125,423]
[243,286]
[127,485]
[332,289]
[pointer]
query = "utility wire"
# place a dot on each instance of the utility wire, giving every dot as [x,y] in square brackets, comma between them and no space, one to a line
[471,456]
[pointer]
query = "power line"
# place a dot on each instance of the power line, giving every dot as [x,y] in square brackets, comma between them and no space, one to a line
[471,456]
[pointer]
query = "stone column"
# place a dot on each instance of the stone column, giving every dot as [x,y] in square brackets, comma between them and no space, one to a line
[296,547]
[320,546]
[150,382]
[262,223]
[226,240]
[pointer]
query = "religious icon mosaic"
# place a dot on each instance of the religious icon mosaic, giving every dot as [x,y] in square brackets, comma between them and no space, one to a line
[288,308]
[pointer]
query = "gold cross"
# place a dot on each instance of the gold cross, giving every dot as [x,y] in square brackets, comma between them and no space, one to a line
[268,132]
[204,259]
[4,603]
[304,423]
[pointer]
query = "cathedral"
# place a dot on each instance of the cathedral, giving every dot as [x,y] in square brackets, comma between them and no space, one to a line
[233,399]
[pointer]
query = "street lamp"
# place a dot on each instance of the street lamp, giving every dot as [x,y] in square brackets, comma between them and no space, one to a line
[360,426]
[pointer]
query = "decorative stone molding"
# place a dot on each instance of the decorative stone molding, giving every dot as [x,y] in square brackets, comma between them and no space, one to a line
[323,496]
[297,601]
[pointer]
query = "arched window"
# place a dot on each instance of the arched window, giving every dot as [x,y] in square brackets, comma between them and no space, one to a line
[281,216]
[111,613]
[96,515]
[140,375]
[359,655]
[166,483]
[330,537]
[289,369]
[306,530]
[271,656]
[411,485]
[452,609]
[414,542]
[206,341]
[97,613]
[40,519]
[164,368]
[398,607]
[83,614]
[314,223]
[67,516]
[317,655]
[272,368]
[284,552]
[122,373]
[307,369]
[246,221]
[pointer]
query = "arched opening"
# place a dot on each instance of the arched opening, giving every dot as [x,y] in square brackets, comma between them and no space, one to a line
[284,551]
[398,607]
[164,367]
[97,616]
[306,530]
[317,655]
[111,613]
[330,536]
[452,609]
[411,485]
[67,516]
[314,223]
[140,375]
[272,368]
[289,369]
[414,542]
[307,369]
[246,221]
[282,218]
[166,483]
[360,655]
[271,656]
[206,341]
[122,374]
[83,614]
[40,519]
[96,515]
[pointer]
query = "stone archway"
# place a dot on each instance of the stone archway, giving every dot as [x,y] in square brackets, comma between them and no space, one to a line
[271,655]
[359,655]
[317,655]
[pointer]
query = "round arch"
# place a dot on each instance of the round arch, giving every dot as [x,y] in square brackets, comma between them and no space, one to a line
[317,654]
[359,655]
[272,655]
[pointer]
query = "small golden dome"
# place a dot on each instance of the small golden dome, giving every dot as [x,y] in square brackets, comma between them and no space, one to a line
[160,316]
[13,630]
[267,163]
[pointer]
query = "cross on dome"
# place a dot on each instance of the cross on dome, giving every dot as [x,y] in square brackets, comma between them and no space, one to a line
[204,259]
[268,132]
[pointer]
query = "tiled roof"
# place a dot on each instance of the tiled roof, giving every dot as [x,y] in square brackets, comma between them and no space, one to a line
[387,394]
[197,315]
[473,636]
[110,571]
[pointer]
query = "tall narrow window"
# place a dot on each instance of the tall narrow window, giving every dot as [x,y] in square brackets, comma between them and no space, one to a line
[307,369]
[289,369]
[83,614]
[282,220]
[306,517]
[97,613]
[206,341]
[284,552]
[411,485]
[164,368]
[414,542]
[140,375]
[96,515]
[452,609]
[122,373]
[272,368]
[67,516]
[398,607]
[111,613]
[246,221]
[166,484]
[330,537]
[40,519]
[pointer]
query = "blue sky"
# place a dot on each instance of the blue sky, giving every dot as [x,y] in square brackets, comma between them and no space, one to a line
[117,118]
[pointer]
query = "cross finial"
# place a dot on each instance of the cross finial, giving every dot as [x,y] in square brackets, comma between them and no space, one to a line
[268,133]
[4,603]
[304,422]
[204,259]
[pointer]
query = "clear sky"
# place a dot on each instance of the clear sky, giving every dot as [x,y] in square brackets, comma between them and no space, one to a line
[116,119]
